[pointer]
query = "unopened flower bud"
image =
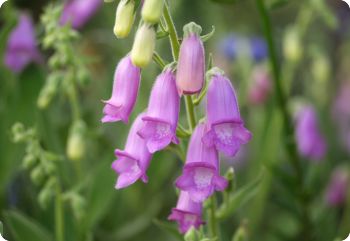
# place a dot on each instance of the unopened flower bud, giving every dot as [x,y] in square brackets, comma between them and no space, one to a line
[78,206]
[76,141]
[241,234]
[124,18]
[44,197]
[144,44]
[292,47]
[152,10]
[191,235]
[49,91]
[37,175]
[28,161]
[191,66]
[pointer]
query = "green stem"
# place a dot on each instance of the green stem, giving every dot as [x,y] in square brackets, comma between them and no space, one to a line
[174,40]
[213,222]
[288,125]
[191,116]
[73,99]
[59,220]
[159,60]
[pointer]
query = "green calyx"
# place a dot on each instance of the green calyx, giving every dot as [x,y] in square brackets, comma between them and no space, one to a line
[214,71]
[192,28]
[172,66]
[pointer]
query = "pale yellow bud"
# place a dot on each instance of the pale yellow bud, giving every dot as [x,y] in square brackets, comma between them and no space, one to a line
[152,10]
[143,47]
[124,18]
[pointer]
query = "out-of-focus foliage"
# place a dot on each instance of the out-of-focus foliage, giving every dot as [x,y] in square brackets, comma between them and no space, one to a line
[311,39]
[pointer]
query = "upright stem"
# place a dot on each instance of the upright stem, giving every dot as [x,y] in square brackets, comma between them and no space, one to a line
[59,220]
[175,48]
[288,125]
[191,117]
[213,224]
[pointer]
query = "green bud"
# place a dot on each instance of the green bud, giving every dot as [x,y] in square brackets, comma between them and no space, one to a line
[76,141]
[37,175]
[44,197]
[18,132]
[143,47]
[49,91]
[124,18]
[29,160]
[241,233]
[191,235]
[320,68]
[152,10]
[78,206]
[292,47]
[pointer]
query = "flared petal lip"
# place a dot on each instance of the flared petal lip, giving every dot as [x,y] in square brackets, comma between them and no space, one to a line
[179,211]
[111,103]
[184,92]
[157,119]
[226,121]
[122,153]
[199,164]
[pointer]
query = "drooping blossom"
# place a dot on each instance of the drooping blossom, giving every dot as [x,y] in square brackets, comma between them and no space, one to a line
[341,114]
[226,128]
[125,89]
[79,12]
[310,141]
[191,64]
[21,46]
[161,118]
[336,192]
[201,177]
[187,213]
[133,161]
[261,86]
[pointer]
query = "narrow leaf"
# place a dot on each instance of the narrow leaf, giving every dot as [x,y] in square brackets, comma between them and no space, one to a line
[240,197]
[23,228]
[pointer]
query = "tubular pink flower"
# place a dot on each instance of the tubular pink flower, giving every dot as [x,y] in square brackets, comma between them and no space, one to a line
[337,188]
[261,87]
[133,161]
[226,128]
[191,64]
[310,141]
[187,213]
[21,46]
[78,12]
[125,89]
[200,175]
[162,115]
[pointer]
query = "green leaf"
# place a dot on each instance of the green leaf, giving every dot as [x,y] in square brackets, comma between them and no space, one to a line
[225,1]
[23,228]
[168,228]
[240,197]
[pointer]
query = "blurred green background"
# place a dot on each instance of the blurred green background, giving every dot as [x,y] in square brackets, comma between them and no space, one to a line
[140,211]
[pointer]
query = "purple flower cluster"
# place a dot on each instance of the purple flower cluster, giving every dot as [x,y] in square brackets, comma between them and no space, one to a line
[310,141]
[78,12]
[22,45]
[153,130]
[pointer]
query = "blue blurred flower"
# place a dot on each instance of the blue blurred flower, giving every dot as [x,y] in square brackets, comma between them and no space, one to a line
[234,45]
[258,48]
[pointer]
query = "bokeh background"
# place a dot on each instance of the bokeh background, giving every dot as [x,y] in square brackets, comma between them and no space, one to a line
[312,42]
